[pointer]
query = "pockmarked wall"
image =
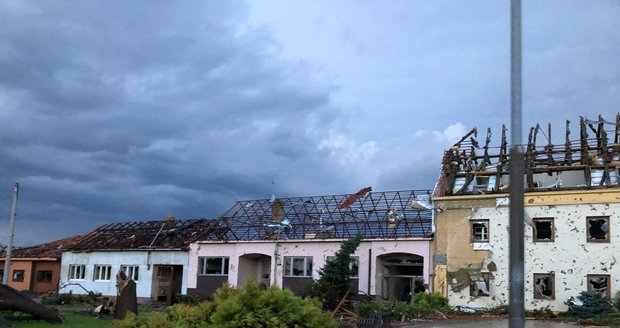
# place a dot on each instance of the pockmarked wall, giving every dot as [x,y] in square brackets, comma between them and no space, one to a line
[319,250]
[145,260]
[569,258]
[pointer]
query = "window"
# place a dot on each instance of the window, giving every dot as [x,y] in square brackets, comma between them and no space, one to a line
[353,265]
[44,276]
[77,272]
[480,285]
[18,275]
[598,229]
[102,273]
[480,231]
[544,286]
[217,266]
[298,266]
[600,283]
[132,271]
[544,229]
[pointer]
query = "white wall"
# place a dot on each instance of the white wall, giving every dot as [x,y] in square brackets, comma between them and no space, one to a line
[116,259]
[570,257]
[319,250]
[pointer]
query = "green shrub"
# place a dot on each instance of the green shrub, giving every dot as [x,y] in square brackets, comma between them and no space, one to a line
[254,306]
[424,305]
[593,304]
[49,299]
[130,321]
[66,298]
[190,299]
[365,310]
[251,306]
[190,316]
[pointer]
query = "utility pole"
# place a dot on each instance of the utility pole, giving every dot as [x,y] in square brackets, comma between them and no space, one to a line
[517,169]
[9,247]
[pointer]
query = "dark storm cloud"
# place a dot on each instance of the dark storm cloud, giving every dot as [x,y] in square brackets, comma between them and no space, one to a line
[133,110]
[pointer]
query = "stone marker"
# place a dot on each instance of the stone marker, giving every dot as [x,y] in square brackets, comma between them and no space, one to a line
[126,301]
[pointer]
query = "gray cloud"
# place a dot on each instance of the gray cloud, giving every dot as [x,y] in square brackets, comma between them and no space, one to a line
[118,111]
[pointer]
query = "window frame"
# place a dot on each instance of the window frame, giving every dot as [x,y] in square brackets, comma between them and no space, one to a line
[102,271]
[354,260]
[473,288]
[39,275]
[203,265]
[16,273]
[289,268]
[606,276]
[73,272]
[607,233]
[545,219]
[132,271]
[472,231]
[540,296]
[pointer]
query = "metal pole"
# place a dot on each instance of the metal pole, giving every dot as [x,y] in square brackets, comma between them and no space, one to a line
[9,247]
[517,170]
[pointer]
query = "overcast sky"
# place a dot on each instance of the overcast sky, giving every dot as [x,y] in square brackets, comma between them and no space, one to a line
[132,110]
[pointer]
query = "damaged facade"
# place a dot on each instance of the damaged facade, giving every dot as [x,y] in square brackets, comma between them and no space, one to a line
[154,254]
[285,241]
[572,208]
[36,268]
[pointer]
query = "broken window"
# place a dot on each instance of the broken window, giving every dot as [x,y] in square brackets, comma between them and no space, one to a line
[480,285]
[480,231]
[77,271]
[544,286]
[298,266]
[599,283]
[18,275]
[213,266]
[544,229]
[44,276]
[598,229]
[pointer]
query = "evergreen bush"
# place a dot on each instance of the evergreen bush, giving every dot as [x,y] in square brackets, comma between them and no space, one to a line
[593,304]
[335,276]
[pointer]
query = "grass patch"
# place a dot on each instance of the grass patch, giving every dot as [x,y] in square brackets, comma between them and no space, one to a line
[72,320]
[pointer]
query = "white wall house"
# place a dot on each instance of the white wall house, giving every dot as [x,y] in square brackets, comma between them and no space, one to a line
[154,254]
[96,271]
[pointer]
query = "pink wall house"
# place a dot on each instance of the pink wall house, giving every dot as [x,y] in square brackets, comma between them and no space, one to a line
[285,242]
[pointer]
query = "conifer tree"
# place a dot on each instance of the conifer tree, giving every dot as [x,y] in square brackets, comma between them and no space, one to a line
[335,276]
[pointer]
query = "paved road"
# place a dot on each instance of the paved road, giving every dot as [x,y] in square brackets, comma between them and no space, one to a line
[500,323]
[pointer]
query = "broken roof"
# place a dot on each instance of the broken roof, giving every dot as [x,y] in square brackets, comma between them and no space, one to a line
[51,249]
[370,214]
[588,162]
[145,235]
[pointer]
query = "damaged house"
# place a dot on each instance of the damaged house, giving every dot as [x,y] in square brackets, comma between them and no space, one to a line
[36,268]
[153,253]
[572,214]
[285,241]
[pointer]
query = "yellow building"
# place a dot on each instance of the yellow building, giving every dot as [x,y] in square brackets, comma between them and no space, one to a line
[572,216]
